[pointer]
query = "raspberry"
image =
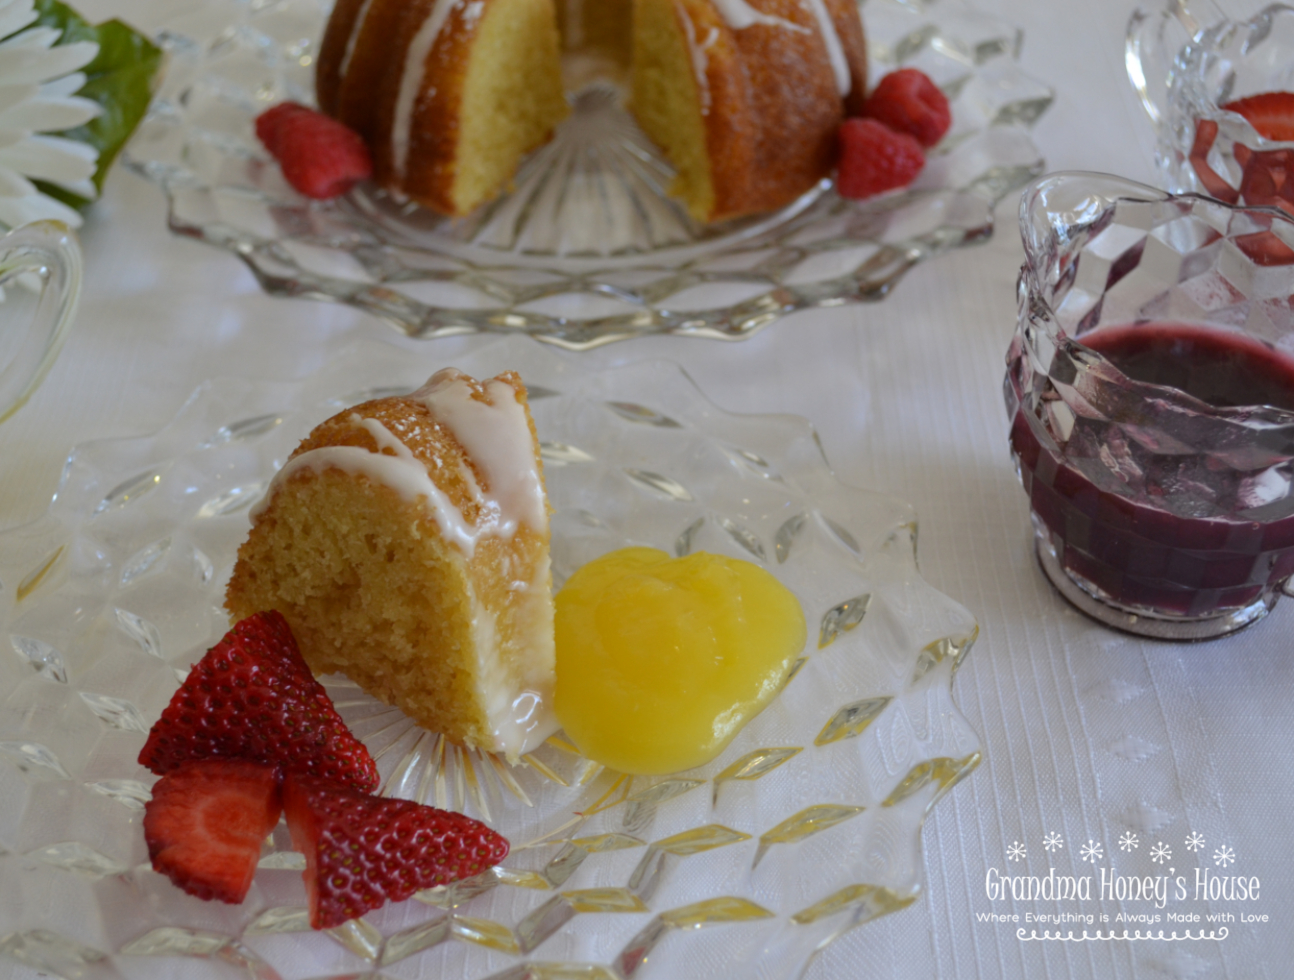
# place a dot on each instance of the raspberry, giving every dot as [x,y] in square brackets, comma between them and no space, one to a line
[253,697]
[875,159]
[320,157]
[908,102]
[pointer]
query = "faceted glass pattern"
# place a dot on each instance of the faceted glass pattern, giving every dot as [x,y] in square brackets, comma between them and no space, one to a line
[750,862]
[1145,498]
[1185,66]
[587,247]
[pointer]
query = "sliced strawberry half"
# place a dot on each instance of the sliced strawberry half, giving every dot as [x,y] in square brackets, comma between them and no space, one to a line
[363,851]
[205,824]
[253,697]
[1271,114]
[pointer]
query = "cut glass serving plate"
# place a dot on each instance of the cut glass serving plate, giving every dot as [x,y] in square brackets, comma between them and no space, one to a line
[587,247]
[806,825]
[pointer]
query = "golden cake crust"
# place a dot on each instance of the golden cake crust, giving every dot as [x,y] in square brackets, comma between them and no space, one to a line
[774,105]
[365,94]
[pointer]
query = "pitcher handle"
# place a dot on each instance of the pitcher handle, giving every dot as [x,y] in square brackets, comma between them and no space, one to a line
[49,251]
[1152,42]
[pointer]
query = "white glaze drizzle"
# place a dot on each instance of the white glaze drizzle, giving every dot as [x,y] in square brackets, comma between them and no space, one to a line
[495,435]
[521,720]
[738,14]
[518,704]
[835,49]
[402,473]
[700,63]
[351,41]
[415,70]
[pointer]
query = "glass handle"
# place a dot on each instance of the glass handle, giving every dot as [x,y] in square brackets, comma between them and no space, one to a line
[47,251]
[1152,42]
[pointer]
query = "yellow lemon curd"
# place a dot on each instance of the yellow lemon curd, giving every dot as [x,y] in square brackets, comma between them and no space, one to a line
[661,661]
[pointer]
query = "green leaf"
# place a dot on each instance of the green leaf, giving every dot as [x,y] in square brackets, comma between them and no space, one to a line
[121,78]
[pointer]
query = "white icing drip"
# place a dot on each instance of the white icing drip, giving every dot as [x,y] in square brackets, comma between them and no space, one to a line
[835,49]
[384,437]
[700,63]
[495,435]
[738,14]
[415,70]
[520,721]
[355,29]
[403,473]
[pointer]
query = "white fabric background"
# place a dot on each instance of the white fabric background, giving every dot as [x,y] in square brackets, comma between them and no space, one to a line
[1087,733]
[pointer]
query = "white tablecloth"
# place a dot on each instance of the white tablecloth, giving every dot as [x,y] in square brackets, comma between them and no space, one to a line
[1088,734]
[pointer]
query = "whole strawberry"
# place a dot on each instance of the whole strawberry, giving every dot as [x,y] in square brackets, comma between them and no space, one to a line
[205,823]
[253,697]
[875,159]
[909,102]
[363,851]
[320,157]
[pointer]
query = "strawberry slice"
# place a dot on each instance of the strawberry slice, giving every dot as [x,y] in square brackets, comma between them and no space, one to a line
[907,101]
[363,851]
[1271,114]
[875,159]
[205,823]
[253,697]
[320,157]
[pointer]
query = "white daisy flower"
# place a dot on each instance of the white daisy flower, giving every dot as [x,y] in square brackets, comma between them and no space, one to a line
[37,85]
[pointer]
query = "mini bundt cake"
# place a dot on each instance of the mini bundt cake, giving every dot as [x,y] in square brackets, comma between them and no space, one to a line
[744,96]
[406,542]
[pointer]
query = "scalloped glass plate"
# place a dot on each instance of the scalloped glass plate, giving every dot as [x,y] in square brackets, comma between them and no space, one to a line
[807,825]
[587,248]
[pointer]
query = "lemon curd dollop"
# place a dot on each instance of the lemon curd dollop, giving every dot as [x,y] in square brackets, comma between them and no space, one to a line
[661,661]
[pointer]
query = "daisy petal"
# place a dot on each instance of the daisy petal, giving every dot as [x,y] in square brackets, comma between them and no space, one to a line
[50,158]
[39,65]
[81,188]
[15,94]
[14,184]
[37,37]
[63,87]
[49,115]
[15,16]
[15,211]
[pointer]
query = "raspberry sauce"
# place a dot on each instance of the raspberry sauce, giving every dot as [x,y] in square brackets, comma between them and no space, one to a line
[1176,533]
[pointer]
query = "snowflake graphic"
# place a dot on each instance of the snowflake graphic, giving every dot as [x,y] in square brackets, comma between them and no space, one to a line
[1224,856]
[1092,851]
[1160,853]
[1128,841]
[1195,842]
[1016,851]
[1053,842]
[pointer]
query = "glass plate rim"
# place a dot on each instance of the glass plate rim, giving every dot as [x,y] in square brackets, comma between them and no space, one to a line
[869,278]
[65,498]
